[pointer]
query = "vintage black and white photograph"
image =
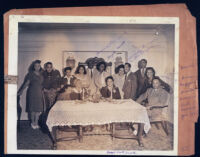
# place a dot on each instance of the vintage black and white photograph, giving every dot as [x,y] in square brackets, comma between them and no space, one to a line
[102,84]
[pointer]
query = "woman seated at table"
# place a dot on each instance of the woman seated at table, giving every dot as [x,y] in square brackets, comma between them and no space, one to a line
[73,93]
[110,91]
[157,101]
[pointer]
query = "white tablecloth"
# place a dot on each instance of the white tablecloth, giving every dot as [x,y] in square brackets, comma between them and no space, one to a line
[89,113]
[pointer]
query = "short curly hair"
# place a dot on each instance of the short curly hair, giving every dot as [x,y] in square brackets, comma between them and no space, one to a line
[109,77]
[118,68]
[128,64]
[152,69]
[98,65]
[78,68]
[67,68]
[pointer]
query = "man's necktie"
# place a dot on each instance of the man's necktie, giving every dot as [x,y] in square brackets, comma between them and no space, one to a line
[125,76]
[91,74]
[142,72]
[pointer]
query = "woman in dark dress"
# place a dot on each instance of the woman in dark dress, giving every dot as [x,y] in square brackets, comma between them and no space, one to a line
[33,81]
[110,91]
[150,74]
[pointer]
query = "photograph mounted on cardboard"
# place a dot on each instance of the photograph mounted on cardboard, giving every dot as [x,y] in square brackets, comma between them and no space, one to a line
[94,85]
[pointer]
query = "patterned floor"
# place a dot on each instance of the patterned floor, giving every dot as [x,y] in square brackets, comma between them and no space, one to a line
[36,139]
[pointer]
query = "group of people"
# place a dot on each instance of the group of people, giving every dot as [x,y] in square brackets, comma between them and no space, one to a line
[46,86]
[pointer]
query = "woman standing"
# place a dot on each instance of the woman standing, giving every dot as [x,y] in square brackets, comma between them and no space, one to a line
[33,81]
[119,78]
[100,75]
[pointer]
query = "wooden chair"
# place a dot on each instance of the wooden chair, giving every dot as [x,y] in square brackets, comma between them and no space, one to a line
[164,125]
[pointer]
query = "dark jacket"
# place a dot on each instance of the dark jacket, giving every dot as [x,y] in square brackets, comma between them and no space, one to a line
[52,79]
[130,86]
[140,83]
[105,92]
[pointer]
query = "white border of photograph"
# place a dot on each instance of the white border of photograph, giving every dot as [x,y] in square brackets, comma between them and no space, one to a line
[13,70]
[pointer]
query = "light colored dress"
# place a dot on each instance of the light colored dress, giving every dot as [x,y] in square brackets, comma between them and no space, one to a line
[156,97]
[99,79]
[91,74]
[119,82]
[85,80]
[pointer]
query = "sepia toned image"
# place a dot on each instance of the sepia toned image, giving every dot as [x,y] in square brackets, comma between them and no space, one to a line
[97,86]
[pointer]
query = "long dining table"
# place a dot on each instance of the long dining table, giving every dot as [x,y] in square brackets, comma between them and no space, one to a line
[83,113]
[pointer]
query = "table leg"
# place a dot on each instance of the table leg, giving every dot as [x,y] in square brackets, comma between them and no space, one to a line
[140,131]
[107,127]
[112,130]
[53,135]
[80,133]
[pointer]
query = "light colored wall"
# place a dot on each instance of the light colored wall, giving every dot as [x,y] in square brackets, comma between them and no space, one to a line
[143,43]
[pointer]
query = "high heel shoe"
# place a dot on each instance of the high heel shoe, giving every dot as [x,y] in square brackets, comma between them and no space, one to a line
[33,126]
[37,126]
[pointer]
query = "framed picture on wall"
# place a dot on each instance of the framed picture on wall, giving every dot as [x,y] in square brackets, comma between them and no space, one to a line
[74,58]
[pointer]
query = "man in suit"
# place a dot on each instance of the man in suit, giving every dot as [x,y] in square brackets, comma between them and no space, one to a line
[130,83]
[140,75]
[90,70]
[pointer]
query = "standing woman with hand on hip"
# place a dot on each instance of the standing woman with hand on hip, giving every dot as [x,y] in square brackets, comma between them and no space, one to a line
[34,101]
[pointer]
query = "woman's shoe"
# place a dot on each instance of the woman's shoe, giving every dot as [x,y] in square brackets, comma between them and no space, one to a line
[37,126]
[135,132]
[33,126]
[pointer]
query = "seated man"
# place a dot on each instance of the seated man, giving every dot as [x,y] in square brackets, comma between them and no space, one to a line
[157,101]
